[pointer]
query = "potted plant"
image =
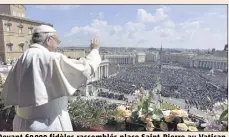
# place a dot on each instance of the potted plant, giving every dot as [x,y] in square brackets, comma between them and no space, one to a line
[90,114]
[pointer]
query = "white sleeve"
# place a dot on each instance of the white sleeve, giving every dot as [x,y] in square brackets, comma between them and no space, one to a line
[89,64]
[73,72]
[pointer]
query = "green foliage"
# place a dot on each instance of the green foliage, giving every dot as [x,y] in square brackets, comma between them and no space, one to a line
[147,107]
[87,113]
[224,116]
[157,114]
[168,106]
[6,117]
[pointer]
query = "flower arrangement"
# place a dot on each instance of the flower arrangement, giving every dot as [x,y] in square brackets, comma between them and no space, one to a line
[146,115]
[217,117]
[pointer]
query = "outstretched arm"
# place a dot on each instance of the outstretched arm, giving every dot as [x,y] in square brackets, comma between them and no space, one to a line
[77,72]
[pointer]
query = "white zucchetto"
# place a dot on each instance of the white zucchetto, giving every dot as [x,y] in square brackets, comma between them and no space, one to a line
[44,29]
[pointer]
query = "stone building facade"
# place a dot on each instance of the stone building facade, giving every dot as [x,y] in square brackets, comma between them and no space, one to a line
[120,58]
[209,62]
[72,52]
[15,31]
[152,56]
[140,58]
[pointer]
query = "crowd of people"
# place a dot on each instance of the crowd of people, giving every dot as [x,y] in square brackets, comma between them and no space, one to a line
[184,83]
[215,76]
[111,95]
[129,78]
[190,85]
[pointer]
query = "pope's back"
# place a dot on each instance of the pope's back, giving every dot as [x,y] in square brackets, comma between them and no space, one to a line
[41,81]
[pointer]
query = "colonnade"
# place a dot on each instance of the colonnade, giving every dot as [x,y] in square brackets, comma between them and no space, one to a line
[121,60]
[103,71]
[209,64]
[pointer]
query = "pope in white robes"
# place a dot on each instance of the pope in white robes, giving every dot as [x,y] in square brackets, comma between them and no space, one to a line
[39,84]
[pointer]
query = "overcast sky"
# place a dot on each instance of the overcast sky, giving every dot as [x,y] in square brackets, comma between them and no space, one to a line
[176,26]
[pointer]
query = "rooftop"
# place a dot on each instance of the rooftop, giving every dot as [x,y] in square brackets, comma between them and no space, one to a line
[141,53]
[210,57]
[24,19]
[118,55]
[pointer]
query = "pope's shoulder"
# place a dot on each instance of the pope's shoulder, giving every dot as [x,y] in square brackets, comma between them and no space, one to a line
[42,55]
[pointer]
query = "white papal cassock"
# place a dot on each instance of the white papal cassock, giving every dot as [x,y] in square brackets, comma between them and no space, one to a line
[39,85]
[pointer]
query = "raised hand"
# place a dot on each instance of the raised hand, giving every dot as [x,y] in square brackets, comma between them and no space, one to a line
[94,44]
